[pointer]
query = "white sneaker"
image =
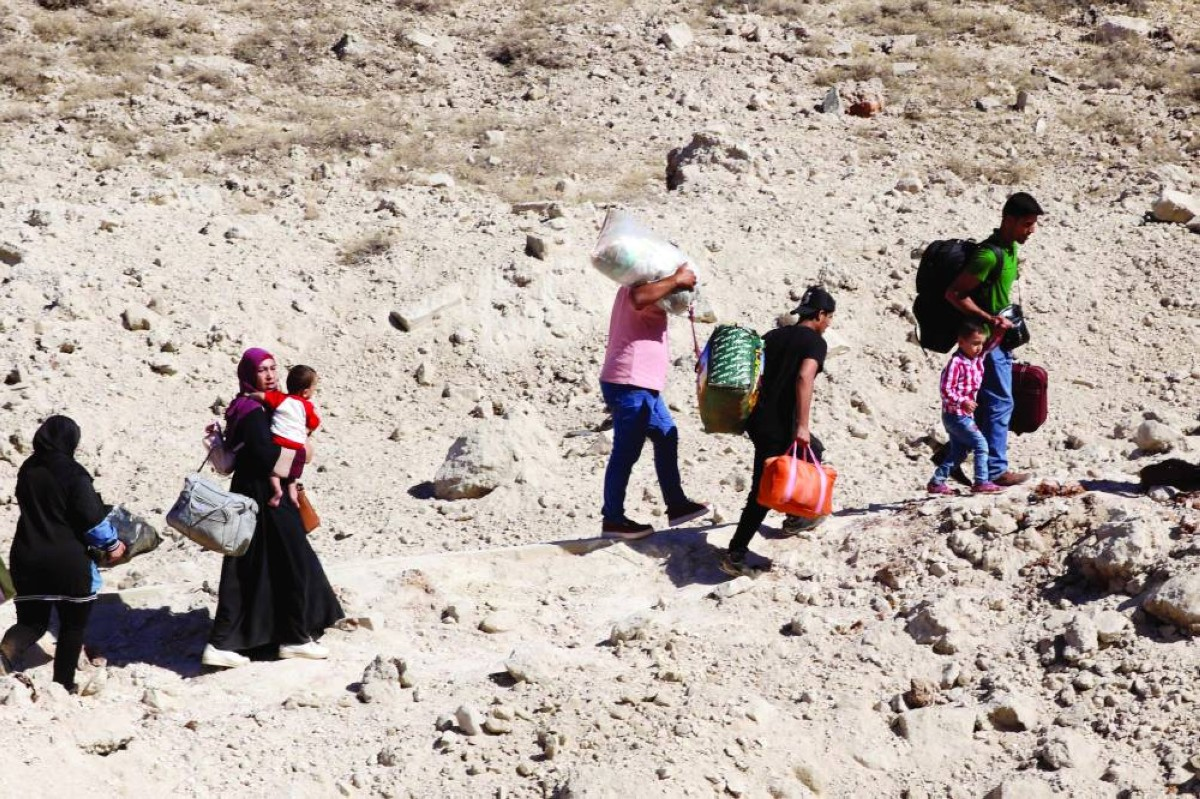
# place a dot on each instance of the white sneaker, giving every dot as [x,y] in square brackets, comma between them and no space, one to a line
[222,658]
[311,650]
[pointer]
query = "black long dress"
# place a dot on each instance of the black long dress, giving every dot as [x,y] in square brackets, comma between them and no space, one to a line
[58,505]
[277,592]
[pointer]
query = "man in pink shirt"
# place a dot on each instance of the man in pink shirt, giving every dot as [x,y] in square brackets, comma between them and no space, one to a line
[632,380]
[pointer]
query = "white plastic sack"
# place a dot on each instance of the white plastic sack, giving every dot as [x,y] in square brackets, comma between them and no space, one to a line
[631,255]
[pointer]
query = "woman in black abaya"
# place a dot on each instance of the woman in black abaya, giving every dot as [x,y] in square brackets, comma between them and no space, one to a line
[277,593]
[61,514]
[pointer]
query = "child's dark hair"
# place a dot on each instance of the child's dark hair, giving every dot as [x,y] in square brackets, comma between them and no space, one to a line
[969,327]
[300,378]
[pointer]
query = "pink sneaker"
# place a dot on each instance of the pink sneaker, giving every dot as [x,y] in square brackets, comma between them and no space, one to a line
[986,488]
[940,488]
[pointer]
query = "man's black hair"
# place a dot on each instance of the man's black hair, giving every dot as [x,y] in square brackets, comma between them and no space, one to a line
[1022,204]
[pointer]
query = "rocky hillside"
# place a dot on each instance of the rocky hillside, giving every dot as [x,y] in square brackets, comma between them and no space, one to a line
[405,196]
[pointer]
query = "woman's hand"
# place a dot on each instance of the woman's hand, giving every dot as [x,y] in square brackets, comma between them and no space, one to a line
[117,553]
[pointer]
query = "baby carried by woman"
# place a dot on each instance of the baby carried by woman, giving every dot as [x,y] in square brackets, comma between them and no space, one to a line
[293,421]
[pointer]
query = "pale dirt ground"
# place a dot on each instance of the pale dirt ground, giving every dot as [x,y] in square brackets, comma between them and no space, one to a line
[141,164]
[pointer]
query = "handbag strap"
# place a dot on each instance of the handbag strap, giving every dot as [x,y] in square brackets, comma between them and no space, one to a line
[207,457]
[695,339]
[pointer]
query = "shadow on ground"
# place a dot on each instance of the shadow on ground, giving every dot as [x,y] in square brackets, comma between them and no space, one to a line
[156,636]
[687,555]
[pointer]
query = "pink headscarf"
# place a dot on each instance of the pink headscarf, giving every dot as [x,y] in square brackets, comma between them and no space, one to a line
[242,406]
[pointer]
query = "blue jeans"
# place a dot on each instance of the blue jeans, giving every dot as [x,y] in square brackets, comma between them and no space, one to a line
[638,414]
[965,438]
[996,409]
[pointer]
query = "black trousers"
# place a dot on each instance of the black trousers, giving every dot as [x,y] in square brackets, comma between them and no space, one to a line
[754,514]
[33,619]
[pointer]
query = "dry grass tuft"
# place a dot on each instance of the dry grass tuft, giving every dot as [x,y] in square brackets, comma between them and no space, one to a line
[932,20]
[423,6]
[366,247]
[1004,172]
[1061,9]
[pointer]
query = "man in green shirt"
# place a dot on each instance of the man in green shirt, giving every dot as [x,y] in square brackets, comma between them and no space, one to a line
[983,290]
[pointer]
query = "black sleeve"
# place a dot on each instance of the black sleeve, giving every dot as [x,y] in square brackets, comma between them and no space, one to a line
[85,508]
[814,347]
[258,452]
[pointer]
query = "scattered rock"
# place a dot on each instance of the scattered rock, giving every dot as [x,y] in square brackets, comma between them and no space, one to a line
[469,719]
[527,664]
[677,37]
[633,628]
[930,728]
[536,246]
[738,585]
[921,692]
[1022,786]
[1177,601]
[498,622]
[710,154]
[865,98]
[1014,713]
[498,452]
[492,138]
[832,102]
[495,726]
[433,180]
[349,46]
[382,677]
[1111,627]
[425,375]
[1175,206]
[424,310]
[1119,554]
[11,254]
[1066,749]
[1152,436]
[1117,28]
[937,625]
[989,103]
[134,318]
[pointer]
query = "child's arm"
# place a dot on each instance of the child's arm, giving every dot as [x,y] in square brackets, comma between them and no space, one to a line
[311,420]
[269,398]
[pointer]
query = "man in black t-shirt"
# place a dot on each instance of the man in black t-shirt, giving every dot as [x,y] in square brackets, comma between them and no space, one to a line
[794,356]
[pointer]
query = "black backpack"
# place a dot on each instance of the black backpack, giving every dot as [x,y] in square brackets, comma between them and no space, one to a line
[941,263]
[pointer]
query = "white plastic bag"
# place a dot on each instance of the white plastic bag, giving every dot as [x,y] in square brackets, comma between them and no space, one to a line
[631,255]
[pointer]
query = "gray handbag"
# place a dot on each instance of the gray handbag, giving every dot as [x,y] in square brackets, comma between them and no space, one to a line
[214,518]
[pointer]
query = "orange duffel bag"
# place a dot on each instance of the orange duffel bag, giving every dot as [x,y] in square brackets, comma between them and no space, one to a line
[797,486]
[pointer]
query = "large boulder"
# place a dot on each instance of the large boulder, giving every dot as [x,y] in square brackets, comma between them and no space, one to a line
[1118,28]
[1152,436]
[498,452]
[1177,601]
[1175,206]
[1120,553]
[711,156]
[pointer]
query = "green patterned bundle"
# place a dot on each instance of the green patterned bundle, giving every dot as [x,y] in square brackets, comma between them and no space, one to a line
[728,380]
